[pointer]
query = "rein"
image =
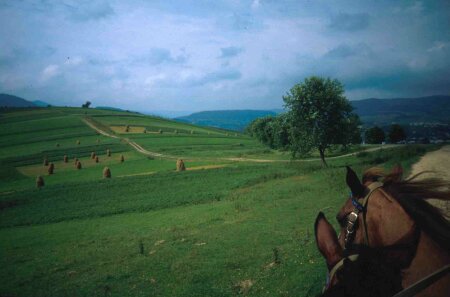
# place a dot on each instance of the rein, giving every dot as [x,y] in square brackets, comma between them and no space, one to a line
[352,224]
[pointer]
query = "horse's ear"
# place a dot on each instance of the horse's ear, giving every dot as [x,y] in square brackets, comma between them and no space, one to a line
[354,184]
[327,241]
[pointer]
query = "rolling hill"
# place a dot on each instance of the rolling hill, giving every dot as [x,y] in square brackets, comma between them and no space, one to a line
[372,111]
[14,101]
[227,119]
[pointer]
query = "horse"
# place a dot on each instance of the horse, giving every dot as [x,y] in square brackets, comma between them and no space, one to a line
[361,271]
[391,215]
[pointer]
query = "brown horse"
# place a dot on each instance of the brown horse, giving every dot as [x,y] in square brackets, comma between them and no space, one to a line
[391,214]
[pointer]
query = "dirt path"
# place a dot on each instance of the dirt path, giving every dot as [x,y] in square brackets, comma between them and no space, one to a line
[136,146]
[141,150]
[438,162]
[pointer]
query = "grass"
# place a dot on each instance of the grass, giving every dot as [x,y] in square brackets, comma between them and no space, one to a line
[246,228]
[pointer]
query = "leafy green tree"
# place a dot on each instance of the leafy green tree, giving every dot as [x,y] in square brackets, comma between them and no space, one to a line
[320,116]
[86,105]
[262,129]
[374,135]
[396,133]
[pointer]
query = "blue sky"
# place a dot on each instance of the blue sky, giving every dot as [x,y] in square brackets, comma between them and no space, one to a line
[203,55]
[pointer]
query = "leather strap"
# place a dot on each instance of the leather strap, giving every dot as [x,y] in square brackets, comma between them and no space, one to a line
[372,187]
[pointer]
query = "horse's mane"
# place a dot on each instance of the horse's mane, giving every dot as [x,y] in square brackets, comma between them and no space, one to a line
[412,194]
[371,275]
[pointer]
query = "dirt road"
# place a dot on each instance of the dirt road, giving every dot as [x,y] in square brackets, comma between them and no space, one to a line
[438,162]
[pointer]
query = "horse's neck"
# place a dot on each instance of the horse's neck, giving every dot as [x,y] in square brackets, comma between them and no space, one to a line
[429,258]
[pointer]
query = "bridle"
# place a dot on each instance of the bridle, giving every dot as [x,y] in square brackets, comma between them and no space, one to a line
[360,207]
[351,227]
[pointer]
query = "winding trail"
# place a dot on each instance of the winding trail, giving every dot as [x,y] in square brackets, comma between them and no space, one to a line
[142,150]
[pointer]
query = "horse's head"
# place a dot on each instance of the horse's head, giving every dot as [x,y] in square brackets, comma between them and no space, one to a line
[361,272]
[379,220]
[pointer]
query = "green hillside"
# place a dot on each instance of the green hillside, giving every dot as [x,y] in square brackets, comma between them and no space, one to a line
[238,221]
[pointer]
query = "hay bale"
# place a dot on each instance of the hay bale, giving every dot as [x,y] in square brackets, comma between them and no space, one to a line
[160,131]
[75,161]
[176,131]
[39,182]
[78,166]
[192,132]
[145,131]
[98,140]
[180,165]
[127,128]
[108,152]
[78,142]
[96,159]
[122,158]
[66,159]
[93,155]
[106,172]
[51,168]
[45,161]
[57,145]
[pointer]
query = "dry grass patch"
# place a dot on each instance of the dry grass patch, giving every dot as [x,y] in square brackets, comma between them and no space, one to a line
[131,129]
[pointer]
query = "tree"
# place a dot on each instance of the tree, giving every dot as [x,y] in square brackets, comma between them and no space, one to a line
[320,116]
[86,105]
[374,135]
[396,133]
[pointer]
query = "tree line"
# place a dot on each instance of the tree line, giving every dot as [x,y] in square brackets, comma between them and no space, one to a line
[318,116]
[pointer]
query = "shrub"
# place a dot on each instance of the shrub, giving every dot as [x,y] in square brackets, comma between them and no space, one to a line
[180,165]
[39,182]
[106,172]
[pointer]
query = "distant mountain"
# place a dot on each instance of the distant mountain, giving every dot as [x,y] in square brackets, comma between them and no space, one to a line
[109,108]
[372,111]
[375,111]
[14,101]
[226,119]
[40,103]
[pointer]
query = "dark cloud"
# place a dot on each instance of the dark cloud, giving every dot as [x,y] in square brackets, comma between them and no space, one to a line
[344,51]
[158,56]
[229,52]
[89,10]
[349,22]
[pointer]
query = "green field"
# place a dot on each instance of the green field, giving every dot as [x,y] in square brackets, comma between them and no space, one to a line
[221,228]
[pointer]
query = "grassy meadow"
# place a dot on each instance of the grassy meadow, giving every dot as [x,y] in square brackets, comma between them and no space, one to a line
[221,228]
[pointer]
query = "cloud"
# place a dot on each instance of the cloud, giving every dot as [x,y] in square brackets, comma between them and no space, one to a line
[349,22]
[49,72]
[88,10]
[439,46]
[345,51]
[158,56]
[229,52]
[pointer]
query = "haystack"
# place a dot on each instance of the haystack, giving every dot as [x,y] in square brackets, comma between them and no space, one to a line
[57,145]
[93,155]
[78,165]
[180,165]
[160,131]
[39,182]
[96,159]
[122,158]
[51,168]
[192,131]
[78,142]
[45,161]
[75,161]
[176,131]
[127,128]
[66,159]
[145,131]
[98,140]
[106,172]
[108,152]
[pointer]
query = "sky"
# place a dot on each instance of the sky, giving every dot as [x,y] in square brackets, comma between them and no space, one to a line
[208,55]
